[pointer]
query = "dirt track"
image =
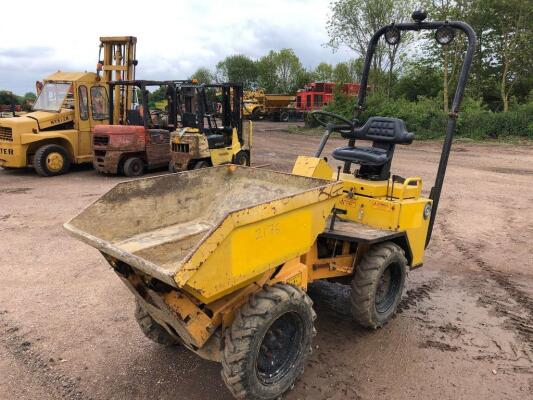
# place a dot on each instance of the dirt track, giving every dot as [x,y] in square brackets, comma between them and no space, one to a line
[465,329]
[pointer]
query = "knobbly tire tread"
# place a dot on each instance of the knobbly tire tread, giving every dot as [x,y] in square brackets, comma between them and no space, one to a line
[239,338]
[242,154]
[151,329]
[366,274]
[39,160]
[126,168]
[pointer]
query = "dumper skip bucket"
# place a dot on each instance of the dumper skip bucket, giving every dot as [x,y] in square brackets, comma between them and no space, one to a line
[208,231]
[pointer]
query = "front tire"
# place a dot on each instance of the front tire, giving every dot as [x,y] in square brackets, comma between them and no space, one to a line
[256,114]
[151,329]
[133,166]
[268,343]
[51,160]
[242,158]
[378,284]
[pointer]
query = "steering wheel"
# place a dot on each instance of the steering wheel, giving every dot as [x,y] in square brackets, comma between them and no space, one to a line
[331,122]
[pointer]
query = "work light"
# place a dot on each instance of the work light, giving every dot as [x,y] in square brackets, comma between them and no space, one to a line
[444,35]
[392,36]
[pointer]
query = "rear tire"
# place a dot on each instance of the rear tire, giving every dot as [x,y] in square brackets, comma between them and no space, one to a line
[171,167]
[201,164]
[268,343]
[242,158]
[284,116]
[133,166]
[151,329]
[51,160]
[377,285]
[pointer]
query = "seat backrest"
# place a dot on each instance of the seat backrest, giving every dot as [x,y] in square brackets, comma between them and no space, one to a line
[133,117]
[188,119]
[383,130]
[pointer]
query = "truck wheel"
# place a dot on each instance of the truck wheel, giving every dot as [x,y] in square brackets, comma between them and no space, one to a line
[256,114]
[151,329]
[201,164]
[284,116]
[51,160]
[171,167]
[133,166]
[378,284]
[268,343]
[242,158]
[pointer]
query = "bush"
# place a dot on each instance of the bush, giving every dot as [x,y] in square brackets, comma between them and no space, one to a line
[427,120]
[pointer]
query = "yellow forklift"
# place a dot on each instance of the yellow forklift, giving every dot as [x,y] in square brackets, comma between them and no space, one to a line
[57,131]
[219,259]
[212,128]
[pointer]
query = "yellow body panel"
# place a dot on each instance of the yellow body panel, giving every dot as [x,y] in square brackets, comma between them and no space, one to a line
[378,204]
[312,166]
[225,155]
[228,252]
[198,148]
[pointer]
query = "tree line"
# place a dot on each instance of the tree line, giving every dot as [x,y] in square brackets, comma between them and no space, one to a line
[418,86]
[501,74]
[7,98]
[276,72]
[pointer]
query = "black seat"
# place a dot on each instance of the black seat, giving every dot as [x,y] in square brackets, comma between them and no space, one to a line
[189,120]
[215,141]
[361,155]
[375,161]
[133,117]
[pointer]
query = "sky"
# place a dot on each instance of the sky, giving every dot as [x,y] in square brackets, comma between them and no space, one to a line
[174,38]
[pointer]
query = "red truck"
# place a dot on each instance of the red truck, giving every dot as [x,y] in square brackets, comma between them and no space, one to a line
[319,94]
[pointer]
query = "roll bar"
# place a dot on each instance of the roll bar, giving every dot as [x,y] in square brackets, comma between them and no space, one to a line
[419,25]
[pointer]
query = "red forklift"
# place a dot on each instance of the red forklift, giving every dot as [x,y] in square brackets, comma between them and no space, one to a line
[141,140]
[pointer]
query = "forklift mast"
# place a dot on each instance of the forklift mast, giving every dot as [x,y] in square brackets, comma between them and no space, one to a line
[118,64]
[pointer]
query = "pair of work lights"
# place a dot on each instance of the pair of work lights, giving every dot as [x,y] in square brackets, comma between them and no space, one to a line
[443,35]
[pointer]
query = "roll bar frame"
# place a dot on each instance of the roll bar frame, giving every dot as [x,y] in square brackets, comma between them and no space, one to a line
[419,25]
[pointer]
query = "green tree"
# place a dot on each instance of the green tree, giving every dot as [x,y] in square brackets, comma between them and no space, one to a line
[203,75]
[510,42]
[353,22]
[417,80]
[348,71]
[237,68]
[288,68]
[7,97]
[280,71]
[266,70]
[323,72]
[303,78]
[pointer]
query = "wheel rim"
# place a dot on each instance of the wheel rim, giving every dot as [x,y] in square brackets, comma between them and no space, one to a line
[280,348]
[54,161]
[387,288]
[242,161]
[136,168]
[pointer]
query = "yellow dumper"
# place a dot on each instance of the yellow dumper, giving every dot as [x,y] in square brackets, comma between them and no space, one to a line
[219,258]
